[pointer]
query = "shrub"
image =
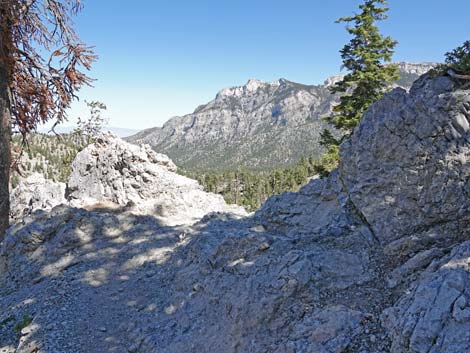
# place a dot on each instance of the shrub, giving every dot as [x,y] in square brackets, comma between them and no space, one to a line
[459,58]
[23,323]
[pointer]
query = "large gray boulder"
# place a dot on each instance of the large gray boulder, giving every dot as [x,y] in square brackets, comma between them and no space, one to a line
[406,168]
[112,170]
[35,193]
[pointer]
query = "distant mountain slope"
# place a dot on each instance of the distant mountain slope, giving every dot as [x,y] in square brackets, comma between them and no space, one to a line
[48,155]
[121,132]
[257,126]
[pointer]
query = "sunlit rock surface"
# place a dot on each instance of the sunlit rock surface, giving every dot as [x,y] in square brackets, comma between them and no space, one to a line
[111,170]
[374,258]
[33,193]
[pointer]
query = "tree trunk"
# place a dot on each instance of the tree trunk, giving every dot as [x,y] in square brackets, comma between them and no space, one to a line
[4,152]
[5,137]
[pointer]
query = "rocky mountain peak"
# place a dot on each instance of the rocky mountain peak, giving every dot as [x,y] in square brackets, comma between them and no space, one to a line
[419,68]
[238,127]
[250,88]
[284,82]
[253,84]
[330,81]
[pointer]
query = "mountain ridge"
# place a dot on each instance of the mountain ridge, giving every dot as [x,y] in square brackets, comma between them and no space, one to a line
[258,126]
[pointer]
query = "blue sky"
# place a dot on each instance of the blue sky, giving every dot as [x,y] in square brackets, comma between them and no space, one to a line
[161,58]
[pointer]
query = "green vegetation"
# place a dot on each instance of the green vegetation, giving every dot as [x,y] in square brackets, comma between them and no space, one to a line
[26,321]
[365,57]
[20,325]
[459,58]
[50,155]
[250,189]
[91,127]
[14,180]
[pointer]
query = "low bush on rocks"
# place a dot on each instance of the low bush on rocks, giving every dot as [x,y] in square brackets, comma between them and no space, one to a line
[459,58]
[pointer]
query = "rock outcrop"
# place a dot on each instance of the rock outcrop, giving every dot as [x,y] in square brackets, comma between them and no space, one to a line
[375,258]
[260,125]
[113,172]
[35,193]
[405,176]
[408,157]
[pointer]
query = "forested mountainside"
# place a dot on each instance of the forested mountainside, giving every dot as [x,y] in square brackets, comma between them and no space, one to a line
[52,156]
[258,126]
[250,189]
[49,155]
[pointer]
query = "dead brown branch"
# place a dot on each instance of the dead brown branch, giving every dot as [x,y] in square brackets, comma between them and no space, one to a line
[453,74]
[42,88]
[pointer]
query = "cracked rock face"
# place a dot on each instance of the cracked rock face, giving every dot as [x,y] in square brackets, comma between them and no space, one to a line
[375,258]
[434,316]
[33,193]
[406,166]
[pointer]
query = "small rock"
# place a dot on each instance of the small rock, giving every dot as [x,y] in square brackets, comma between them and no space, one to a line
[264,246]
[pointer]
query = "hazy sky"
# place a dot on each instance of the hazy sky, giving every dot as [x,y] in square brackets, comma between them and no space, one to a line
[161,58]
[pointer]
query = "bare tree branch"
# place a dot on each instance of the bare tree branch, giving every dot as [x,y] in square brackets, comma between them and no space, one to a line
[453,74]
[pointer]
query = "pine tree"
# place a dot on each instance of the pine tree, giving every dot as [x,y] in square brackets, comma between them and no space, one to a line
[365,57]
[459,60]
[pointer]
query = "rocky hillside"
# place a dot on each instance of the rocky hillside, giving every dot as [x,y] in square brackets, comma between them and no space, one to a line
[48,155]
[257,126]
[375,258]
